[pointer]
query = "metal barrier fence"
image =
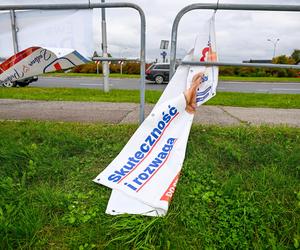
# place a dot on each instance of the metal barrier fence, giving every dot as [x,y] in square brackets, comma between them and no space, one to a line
[96,6]
[253,7]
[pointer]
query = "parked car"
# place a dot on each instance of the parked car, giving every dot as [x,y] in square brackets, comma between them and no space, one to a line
[22,83]
[158,72]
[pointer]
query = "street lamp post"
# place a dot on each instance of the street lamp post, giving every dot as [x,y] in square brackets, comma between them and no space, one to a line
[274,42]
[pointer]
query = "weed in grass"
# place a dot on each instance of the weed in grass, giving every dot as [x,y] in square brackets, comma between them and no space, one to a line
[79,210]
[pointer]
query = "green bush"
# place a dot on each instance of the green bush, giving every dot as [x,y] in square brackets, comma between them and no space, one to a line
[227,71]
[245,71]
[87,68]
[292,72]
[115,68]
[134,68]
[257,72]
[281,73]
[263,72]
[131,68]
[128,68]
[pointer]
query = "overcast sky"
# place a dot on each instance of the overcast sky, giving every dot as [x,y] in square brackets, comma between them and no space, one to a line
[241,35]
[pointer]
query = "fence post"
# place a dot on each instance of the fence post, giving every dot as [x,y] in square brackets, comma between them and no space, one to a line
[14,31]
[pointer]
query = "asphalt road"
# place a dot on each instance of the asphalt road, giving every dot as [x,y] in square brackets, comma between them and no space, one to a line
[115,83]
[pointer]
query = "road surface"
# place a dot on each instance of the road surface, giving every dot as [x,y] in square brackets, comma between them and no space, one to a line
[116,83]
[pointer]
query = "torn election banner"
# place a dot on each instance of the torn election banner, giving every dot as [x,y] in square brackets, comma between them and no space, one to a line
[76,29]
[144,175]
[37,60]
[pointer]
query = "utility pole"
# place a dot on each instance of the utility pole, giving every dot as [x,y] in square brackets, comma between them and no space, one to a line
[105,65]
[274,44]
[14,31]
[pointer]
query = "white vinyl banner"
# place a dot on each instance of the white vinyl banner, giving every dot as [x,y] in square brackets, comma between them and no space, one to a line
[69,29]
[144,175]
[35,61]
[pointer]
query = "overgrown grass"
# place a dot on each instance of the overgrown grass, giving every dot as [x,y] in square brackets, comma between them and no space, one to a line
[239,188]
[93,95]
[221,78]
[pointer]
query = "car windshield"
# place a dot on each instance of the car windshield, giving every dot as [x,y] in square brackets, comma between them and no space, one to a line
[162,66]
[151,66]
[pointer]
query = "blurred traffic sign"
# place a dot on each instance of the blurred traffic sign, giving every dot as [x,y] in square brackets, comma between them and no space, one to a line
[164,53]
[164,44]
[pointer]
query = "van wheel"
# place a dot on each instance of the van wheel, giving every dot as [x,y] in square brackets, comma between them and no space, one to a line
[159,79]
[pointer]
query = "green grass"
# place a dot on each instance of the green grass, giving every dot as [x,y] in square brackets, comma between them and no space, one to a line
[259,79]
[113,75]
[239,189]
[73,94]
[222,78]
[93,95]
[256,100]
